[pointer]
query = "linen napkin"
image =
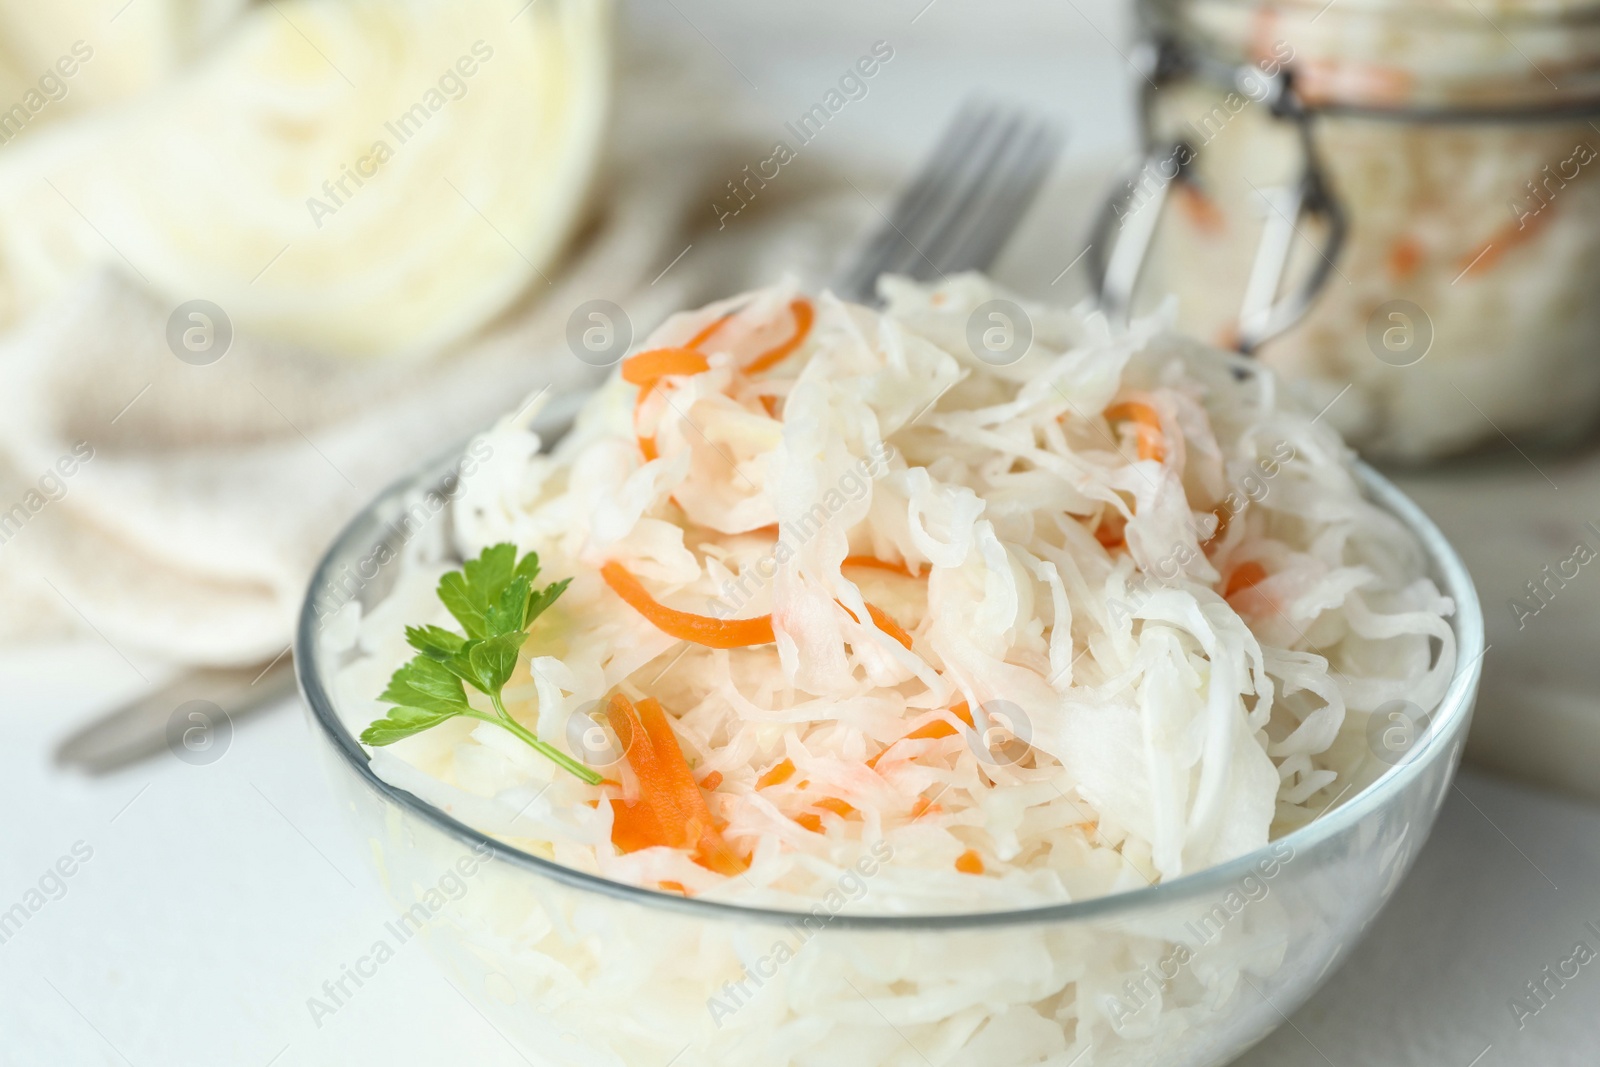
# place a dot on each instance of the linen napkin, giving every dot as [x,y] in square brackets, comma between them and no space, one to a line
[177,510]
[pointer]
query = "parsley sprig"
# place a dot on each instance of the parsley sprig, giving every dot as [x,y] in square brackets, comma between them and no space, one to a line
[494,599]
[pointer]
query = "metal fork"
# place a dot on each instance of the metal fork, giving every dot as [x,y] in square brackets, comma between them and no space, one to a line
[963,203]
[955,215]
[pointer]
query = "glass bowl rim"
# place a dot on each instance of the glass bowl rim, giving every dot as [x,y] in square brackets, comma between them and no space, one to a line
[1445,727]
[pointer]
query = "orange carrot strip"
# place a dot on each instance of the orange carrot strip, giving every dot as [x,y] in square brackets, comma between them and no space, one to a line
[810,820]
[647,445]
[803,316]
[922,807]
[710,782]
[673,887]
[779,774]
[1513,233]
[969,862]
[676,814]
[700,338]
[842,808]
[633,826]
[882,565]
[685,625]
[940,728]
[884,623]
[932,731]
[1147,424]
[638,824]
[888,625]
[1405,256]
[1200,209]
[770,403]
[1112,531]
[1247,575]
[647,368]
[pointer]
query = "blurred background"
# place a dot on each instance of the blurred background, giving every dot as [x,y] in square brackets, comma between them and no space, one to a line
[257,260]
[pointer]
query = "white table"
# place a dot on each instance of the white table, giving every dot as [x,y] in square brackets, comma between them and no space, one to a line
[218,898]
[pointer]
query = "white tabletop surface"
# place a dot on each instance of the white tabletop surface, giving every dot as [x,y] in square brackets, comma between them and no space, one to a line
[216,899]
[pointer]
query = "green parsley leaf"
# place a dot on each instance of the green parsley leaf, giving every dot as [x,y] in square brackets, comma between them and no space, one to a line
[543,598]
[493,659]
[528,567]
[472,592]
[494,599]
[434,641]
[510,611]
[426,683]
[402,722]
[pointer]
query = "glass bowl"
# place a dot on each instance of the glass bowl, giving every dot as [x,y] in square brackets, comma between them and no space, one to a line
[580,971]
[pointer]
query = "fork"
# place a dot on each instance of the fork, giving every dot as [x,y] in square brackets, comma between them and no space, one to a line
[963,203]
[956,214]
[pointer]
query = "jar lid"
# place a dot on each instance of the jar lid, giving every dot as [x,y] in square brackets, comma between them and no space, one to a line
[1416,59]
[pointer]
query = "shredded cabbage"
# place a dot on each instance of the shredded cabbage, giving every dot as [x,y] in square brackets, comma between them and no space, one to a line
[1153,586]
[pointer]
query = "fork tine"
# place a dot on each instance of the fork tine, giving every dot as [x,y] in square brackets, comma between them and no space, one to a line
[895,245]
[961,162]
[963,202]
[996,217]
[988,167]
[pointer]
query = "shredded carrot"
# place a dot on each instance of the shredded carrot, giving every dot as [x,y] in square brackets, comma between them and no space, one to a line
[882,565]
[802,326]
[770,403]
[940,728]
[710,782]
[648,368]
[1246,575]
[883,622]
[1199,208]
[1405,256]
[1512,234]
[888,625]
[780,773]
[1112,531]
[810,820]
[647,445]
[673,887]
[698,339]
[932,731]
[670,810]
[922,807]
[842,808]
[969,862]
[1147,424]
[685,625]
[646,371]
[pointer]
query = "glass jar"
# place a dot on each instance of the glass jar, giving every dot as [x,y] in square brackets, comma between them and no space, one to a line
[1395,205]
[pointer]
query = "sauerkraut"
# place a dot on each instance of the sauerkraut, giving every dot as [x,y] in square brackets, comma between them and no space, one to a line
[1037,631]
